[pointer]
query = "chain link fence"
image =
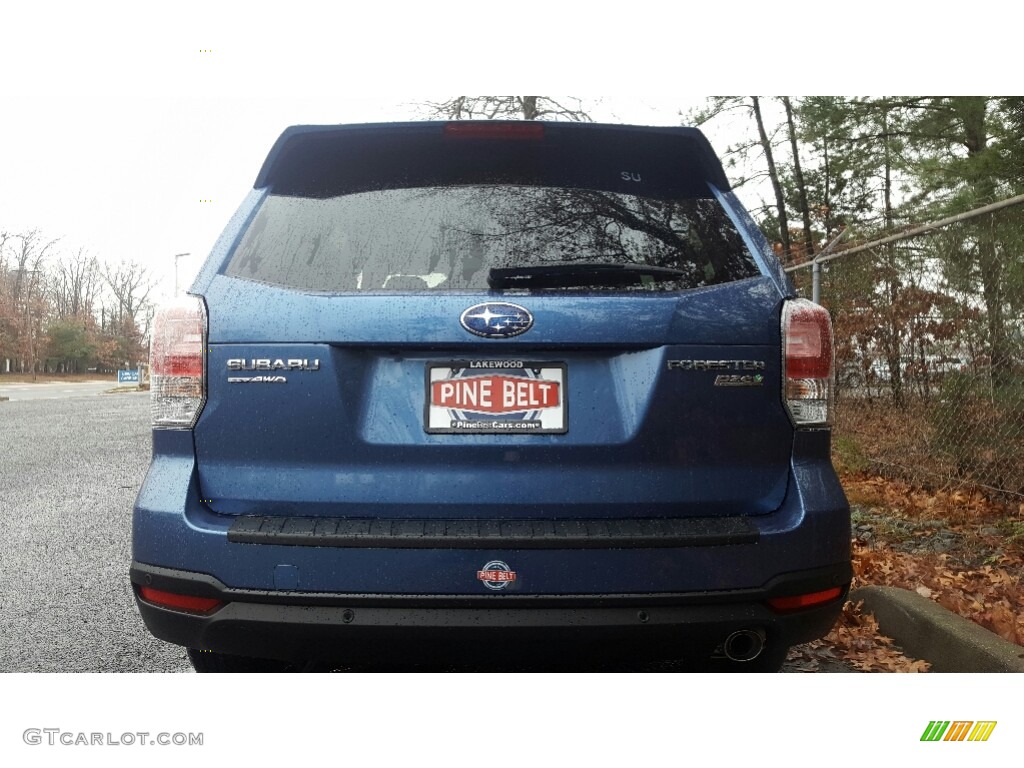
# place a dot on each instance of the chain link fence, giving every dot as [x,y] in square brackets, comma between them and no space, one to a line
[929,333]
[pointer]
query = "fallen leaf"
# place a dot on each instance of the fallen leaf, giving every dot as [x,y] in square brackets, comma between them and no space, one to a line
[1004,623]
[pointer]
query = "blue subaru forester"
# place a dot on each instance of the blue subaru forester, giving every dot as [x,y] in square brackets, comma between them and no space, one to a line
[474,390]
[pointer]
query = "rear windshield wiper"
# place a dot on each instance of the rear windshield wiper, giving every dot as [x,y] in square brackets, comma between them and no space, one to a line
[574,275]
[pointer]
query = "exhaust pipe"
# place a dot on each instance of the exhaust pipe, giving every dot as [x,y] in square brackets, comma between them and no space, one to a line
[743,645]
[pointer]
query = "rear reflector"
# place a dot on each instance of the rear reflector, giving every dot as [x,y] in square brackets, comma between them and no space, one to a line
[796,602]
[494,129]
[808,358]
[177,363]
[179,602]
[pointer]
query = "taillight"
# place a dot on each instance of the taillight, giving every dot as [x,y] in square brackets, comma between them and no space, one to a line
[808,362]
[493,129]
[177,363]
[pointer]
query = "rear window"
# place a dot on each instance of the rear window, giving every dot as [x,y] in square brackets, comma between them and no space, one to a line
[447,238]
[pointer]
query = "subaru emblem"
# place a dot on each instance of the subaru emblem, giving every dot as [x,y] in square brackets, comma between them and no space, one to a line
[496,320]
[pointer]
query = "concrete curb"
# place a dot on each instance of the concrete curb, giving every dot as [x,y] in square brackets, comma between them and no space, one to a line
[926,630]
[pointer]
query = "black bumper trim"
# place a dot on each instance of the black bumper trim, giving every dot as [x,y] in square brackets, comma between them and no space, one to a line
[205,585]
[490,533]
[374,627]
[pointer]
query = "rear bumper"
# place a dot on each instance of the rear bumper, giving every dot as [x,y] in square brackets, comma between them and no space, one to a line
[365,627]
[681,591]
[174,529]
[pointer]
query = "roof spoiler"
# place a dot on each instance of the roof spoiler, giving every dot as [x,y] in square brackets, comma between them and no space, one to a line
[297,141]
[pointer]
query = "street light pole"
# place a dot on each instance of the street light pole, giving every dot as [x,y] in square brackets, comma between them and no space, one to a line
[176,257]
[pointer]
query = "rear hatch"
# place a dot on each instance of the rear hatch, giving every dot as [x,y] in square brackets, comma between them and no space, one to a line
[502,320]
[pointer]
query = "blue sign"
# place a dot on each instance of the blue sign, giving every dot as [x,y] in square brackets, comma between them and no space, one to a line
[127,377]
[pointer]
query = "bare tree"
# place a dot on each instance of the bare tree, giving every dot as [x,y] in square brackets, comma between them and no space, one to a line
[798,176]
[7,313]
[131,284]
[28,261]
[75,285]
[24,303]
[780,201]
[740,153]
[509,108]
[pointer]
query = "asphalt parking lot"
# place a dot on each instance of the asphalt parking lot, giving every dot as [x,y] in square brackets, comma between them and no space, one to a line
[69,476]
[71,468]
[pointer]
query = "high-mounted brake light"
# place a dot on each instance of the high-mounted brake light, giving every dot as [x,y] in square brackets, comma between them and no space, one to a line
[494,129]
[808,362]
[177,363]
[189,603]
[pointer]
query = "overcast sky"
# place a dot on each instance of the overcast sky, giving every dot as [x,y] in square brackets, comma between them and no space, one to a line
[120,119]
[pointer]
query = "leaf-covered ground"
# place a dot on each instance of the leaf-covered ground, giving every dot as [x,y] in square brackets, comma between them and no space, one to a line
[958,548]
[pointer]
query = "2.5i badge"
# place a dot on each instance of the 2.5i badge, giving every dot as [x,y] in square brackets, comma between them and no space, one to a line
[496,397]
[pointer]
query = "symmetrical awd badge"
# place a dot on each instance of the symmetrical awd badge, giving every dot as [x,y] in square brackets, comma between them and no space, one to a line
[268,365]
[497,320]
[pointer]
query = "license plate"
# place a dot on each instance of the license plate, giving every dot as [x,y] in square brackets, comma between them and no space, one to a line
[496,397]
